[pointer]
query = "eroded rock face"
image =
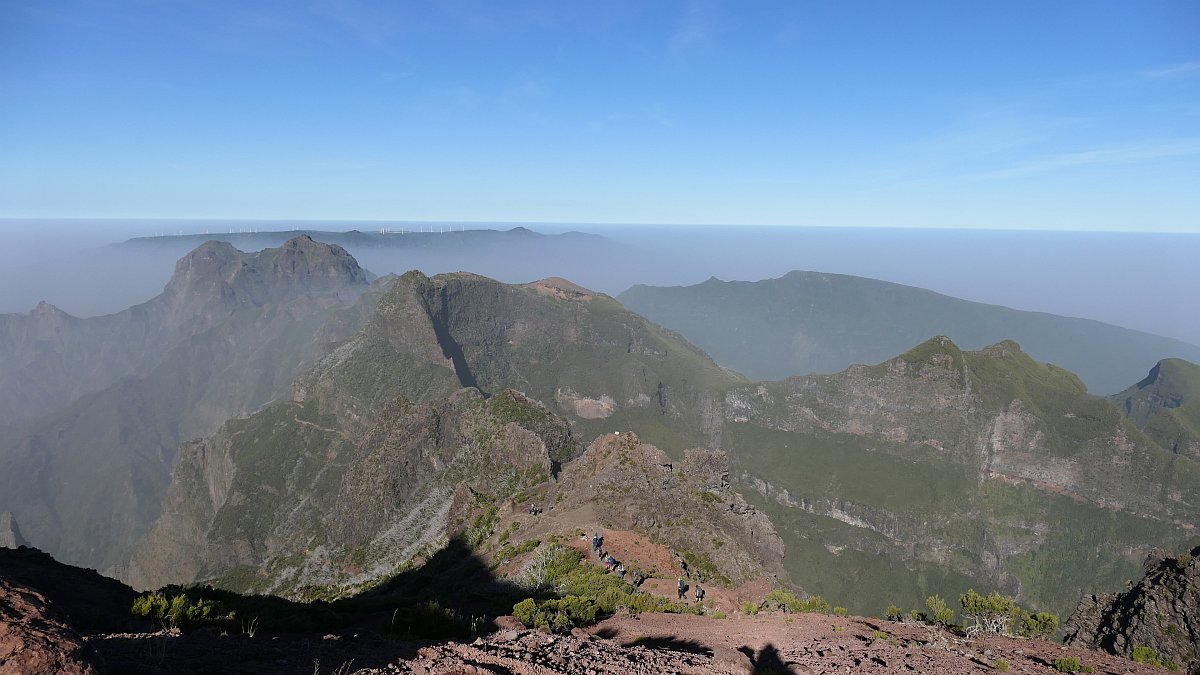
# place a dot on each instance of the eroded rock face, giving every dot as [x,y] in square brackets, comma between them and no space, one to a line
[34,638]
[687,505]
[1162,612]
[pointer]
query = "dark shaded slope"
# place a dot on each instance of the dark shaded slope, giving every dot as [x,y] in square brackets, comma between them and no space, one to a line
[810,322]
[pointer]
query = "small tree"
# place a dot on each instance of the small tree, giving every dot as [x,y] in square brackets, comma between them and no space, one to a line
[938,611]
[992,613]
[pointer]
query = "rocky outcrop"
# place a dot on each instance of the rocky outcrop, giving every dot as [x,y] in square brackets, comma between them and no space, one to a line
[10,534]
[89,601]
[34,638]
[687,505]
[1160,612]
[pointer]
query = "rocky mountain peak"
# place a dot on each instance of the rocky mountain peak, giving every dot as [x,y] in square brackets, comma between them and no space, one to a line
[217,272]
[1169,385]
[45,309]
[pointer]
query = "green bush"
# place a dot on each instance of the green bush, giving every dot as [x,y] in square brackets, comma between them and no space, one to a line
[840,611]
[1001,665]
[177,610]
[992,613]
[587,594]
[508,551]
[749,608]
[941,614]
[718,614]
[1040,625]
[783,600]
[426,620]
[1143,654]
[1066,664]
[893,613]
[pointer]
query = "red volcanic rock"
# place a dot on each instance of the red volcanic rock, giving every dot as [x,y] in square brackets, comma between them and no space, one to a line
[34,639]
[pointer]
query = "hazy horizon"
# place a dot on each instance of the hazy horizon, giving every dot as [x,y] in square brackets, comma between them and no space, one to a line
[1142,281]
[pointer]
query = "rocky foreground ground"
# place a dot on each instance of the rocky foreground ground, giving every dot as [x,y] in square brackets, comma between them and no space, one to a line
[59,619]
[650,643]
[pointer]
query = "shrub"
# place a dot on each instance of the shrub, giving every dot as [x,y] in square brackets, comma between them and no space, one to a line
[586,593]
[893,613]
[718,614]
[1001,665]
[879,635]
[992,613]
[780,599]
[427,620]
[749,608]
[177,610]
[526,611]
[1039,625]
[1066,664]
[840,611]
[1143,654]
[941,614]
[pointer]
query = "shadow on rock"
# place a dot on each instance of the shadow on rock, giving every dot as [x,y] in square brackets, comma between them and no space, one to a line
[671,643]
[767,661]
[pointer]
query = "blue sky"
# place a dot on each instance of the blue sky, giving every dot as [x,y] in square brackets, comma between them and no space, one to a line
[1042,115]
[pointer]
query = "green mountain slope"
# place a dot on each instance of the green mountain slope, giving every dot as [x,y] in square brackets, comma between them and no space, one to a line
[809,322]
[1166,406]
[940,469]
[259,491]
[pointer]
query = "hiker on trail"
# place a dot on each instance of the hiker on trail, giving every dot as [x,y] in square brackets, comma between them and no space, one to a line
[595,542]
[699,593]
[682,588]
[610,562]
[621,571]
[638,577]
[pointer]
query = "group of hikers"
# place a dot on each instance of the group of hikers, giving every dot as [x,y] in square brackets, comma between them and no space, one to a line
[611,564]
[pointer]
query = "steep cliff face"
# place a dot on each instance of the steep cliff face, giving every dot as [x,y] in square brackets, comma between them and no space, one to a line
[942,469]
[1160,612]
[114,396]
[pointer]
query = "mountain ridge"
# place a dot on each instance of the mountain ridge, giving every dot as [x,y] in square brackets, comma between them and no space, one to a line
[816,322]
